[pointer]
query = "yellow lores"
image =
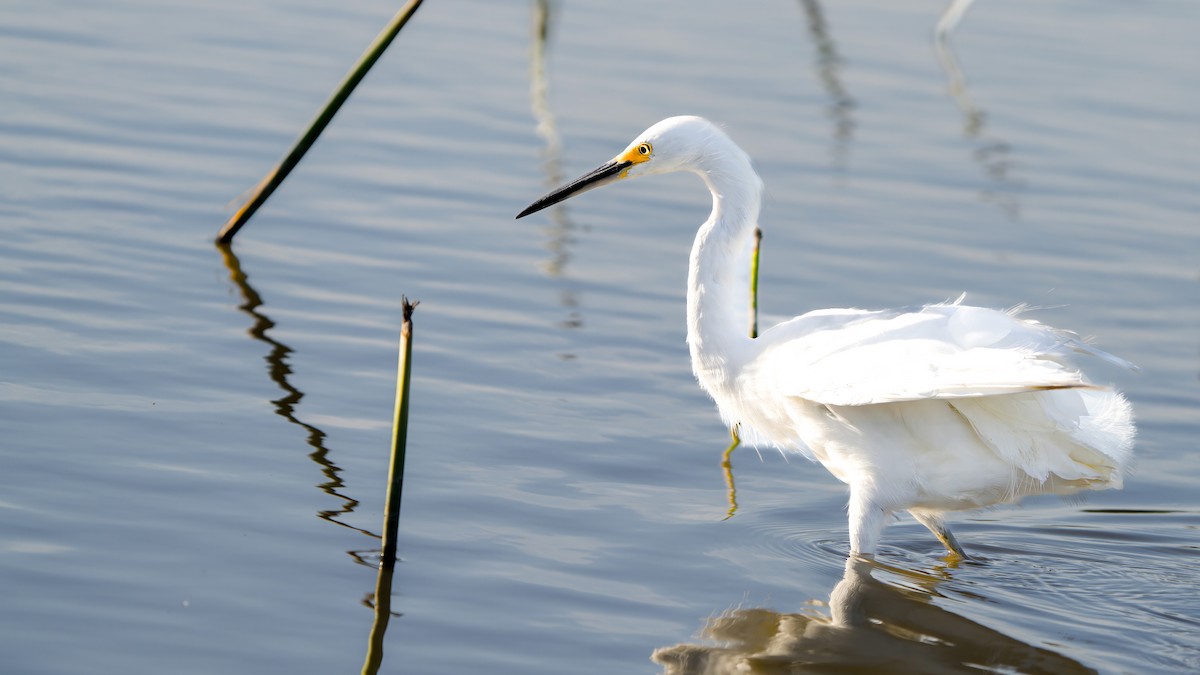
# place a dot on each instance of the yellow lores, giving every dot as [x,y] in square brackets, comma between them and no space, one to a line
[635,155]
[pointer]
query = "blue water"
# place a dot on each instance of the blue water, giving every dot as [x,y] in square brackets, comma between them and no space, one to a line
[193,462]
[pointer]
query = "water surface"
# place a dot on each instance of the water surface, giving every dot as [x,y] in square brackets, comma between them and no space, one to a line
[195,444]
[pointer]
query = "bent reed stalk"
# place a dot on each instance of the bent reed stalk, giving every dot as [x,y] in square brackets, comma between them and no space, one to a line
[267,185]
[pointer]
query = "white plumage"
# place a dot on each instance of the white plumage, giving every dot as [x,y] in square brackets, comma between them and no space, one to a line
[927,410]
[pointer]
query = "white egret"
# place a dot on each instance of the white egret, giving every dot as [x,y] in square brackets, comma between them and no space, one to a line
[930,409]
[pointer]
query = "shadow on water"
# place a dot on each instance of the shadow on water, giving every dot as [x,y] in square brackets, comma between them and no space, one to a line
[829,66]
[992,154]
[561,233]
[279,370]
[870,627]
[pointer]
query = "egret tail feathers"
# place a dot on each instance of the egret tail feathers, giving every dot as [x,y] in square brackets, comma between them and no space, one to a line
[1062,440]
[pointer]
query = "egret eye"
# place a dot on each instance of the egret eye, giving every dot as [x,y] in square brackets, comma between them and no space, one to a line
[645,149]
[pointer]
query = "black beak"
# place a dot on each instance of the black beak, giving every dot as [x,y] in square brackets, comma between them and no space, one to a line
[602,175]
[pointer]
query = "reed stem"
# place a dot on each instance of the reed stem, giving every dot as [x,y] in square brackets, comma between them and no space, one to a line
[275,177]
[391,519]
[399,435]
[754,284]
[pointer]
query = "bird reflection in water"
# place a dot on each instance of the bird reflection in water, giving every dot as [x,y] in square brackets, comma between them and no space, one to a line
[829,66]
[870,627]
[285,406]
[992,154]
[561,233]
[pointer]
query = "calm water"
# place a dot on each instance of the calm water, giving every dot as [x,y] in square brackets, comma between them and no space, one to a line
[195,446]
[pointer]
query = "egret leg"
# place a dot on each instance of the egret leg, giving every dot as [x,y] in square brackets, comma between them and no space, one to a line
[866,523]
[938,527]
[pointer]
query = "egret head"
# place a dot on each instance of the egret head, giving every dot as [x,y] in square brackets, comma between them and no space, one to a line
[674,144]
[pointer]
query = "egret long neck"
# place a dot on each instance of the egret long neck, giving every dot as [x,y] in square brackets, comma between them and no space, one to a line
[718,277]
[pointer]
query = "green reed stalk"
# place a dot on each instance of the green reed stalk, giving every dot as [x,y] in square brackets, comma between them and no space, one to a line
[391,519]
[399,436]
[754,284]
[273,179]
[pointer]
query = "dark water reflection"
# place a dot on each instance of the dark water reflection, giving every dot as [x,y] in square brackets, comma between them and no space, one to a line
[381,604]
[380,600]
[278,370]
[868,626]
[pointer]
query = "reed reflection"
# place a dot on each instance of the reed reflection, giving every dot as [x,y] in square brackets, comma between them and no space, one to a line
[381,602]
[992,154]
[829,65]
[870,627]
[561,233]
[285,406]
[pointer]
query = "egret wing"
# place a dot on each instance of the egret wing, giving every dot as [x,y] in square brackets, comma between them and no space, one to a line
[851,357]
